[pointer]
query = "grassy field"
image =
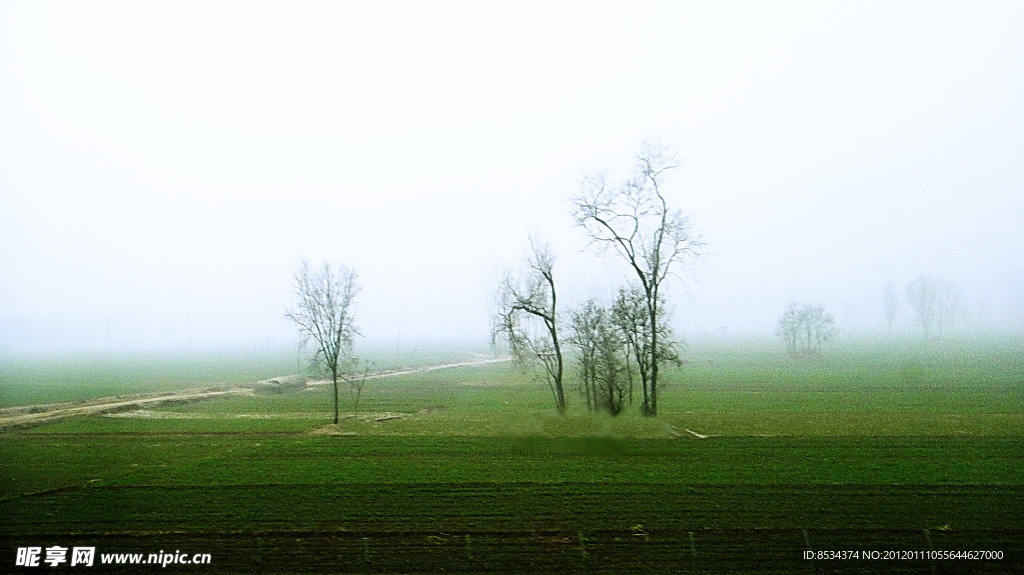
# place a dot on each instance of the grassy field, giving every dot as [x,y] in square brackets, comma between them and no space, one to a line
[30,380]
[877,447]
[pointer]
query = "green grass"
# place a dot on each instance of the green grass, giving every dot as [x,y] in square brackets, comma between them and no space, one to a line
[737,393]
[873,446]
[30,380]
[218,455]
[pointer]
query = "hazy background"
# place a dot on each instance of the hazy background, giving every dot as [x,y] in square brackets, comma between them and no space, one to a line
[164,166]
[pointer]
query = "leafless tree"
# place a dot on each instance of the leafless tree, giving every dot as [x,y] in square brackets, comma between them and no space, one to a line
[325,316]
[890,304]
[937,304]
[355,376]
[528,318]
[633,220]
[804,329]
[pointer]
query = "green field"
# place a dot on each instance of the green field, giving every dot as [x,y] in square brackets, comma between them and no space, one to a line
[876,447]
[30,380]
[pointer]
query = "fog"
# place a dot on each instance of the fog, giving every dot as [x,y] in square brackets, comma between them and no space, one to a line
[165,166]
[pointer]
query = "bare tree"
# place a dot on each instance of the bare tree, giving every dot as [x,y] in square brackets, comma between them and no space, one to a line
[528,318]
[937,304]
[325,317]
[890,304]
[355,375]
[804,329]
[633,220]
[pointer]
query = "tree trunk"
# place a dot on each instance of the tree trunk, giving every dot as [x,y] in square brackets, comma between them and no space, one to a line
[588,385]
[553,329]
[629,374]
[653,407]
[558,380]
[586,391]
[644,380]
[334,376]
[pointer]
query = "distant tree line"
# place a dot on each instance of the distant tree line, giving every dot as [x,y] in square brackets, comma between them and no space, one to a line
[937,307]
[937,304]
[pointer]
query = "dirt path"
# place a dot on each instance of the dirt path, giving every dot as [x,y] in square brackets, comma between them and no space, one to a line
[26,416]
[423,369]
[108,405]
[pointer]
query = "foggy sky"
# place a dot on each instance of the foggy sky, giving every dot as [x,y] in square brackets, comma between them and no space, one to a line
[165,166]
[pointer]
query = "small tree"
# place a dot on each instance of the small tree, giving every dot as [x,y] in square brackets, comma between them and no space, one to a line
[325,317]
[356,377]
[528,319]
[804,329]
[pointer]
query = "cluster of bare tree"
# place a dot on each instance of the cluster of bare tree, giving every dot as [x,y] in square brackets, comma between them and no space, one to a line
[631,339]
[618,345]
[604,371]
[804,329]
[937,304]
[613,349]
